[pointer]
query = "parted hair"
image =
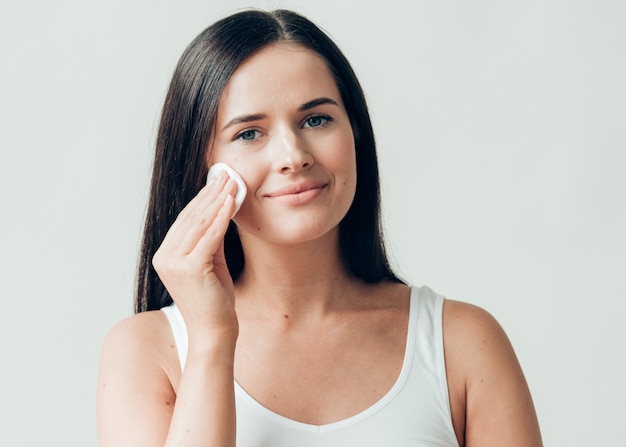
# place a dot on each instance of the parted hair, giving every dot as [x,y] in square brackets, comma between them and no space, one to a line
[187,123]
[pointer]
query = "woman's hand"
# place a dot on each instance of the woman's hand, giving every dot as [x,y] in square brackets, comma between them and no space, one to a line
[191,263]
[137,402]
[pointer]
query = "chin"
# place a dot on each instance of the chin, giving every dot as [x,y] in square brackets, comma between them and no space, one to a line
[293,231]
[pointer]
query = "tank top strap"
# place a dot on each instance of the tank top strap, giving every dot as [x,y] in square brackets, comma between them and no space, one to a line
[429,356]
[179,330]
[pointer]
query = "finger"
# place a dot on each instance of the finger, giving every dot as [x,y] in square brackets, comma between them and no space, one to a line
[214,187]
[205,220]
[195,213]
[212,239]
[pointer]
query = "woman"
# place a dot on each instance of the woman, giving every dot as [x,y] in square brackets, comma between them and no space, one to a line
[289,327]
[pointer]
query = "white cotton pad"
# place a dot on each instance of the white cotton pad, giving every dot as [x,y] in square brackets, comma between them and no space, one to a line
[216,169]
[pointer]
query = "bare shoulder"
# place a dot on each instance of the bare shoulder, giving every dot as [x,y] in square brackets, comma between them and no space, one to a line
[141,338]
[469,328]
[490,400]
[135,327]
[137,368]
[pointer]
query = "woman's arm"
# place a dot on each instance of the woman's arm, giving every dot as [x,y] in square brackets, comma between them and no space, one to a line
[137,405]
[490,400]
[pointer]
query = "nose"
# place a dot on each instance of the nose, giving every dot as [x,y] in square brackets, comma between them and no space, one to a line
[292,154]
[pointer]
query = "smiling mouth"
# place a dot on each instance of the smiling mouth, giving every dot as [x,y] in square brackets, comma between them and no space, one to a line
[297,194]
[299,188]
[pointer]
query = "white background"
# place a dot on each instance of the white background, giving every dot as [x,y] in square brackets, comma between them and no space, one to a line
[501,131]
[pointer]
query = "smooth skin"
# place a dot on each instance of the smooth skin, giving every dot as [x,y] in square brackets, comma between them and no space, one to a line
[294,311]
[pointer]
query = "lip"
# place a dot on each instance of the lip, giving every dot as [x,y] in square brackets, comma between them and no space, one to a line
[297,193]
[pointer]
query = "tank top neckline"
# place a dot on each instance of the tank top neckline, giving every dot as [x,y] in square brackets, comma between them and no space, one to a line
[364,414]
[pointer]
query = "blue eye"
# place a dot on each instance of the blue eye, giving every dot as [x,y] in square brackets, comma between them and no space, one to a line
[317,121]
[248,135]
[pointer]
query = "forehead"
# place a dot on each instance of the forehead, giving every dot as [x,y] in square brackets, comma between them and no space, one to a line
[279,75]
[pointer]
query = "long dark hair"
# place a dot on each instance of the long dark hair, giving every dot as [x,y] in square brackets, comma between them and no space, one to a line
[188,119]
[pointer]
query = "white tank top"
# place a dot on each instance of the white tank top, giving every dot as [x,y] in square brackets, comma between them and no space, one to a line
[415,411]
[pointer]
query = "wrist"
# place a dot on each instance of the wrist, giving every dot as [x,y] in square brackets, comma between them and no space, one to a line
[213,343]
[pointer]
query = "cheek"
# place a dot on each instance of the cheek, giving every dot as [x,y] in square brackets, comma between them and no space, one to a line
[343,159]
[251,174]
[344,156]
[245,166]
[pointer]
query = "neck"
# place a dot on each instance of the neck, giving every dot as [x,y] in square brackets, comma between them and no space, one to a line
[295,280]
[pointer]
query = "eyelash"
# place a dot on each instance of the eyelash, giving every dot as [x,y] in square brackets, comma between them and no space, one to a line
[240,135]
[324,118]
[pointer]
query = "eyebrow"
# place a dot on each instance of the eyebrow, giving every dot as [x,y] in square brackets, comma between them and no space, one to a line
[244,119]
[259,116]
[316,102]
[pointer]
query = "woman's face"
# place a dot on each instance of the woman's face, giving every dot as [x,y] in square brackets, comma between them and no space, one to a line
[282,125]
